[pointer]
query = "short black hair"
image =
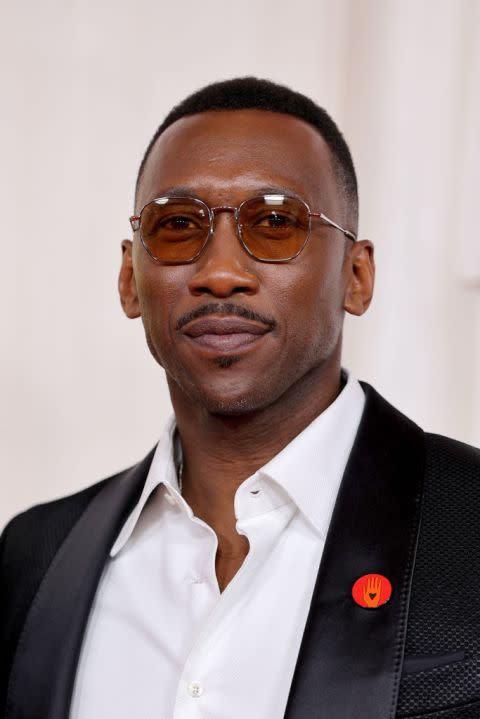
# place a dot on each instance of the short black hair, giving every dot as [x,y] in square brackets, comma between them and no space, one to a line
[244,93]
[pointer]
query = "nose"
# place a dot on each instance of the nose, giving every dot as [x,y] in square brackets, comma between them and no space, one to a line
[224,268]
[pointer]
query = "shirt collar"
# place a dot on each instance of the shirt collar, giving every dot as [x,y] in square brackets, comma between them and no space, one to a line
[162,471]
[308,470]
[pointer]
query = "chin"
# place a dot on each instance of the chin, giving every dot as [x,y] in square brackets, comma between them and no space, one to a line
[230,397]
[230,407]
[234,409]
[238,401]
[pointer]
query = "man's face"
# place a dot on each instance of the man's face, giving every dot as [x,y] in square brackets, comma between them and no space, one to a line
[229,364]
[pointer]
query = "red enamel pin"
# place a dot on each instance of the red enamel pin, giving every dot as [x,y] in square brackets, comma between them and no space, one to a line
[371,591]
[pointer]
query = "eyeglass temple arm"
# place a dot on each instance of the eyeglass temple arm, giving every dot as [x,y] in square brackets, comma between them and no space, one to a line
[135,222]
[330,222]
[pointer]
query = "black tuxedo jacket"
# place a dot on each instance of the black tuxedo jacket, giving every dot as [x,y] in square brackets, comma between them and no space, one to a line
[408,508]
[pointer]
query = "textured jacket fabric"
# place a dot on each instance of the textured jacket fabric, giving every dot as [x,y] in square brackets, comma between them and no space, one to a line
[408,508]
[444,616]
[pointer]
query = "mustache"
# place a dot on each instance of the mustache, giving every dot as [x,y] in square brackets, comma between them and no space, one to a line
[227,308]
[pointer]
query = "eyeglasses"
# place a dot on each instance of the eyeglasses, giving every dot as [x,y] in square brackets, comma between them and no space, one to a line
[270,228]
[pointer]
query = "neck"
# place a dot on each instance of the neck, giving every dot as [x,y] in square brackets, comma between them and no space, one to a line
[221,451]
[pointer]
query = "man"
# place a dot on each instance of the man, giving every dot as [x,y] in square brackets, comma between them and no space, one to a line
[273,555]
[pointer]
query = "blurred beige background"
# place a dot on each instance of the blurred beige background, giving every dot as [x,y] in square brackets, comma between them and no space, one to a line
[84,85]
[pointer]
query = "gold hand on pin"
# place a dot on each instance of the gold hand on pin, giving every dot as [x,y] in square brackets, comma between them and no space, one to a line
[371,591]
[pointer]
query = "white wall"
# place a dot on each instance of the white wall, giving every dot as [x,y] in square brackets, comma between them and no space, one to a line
[84,85]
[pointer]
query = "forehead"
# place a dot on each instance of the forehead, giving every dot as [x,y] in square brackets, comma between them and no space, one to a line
[223,155]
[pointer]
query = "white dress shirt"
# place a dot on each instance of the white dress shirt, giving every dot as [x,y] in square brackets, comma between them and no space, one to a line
[162,641]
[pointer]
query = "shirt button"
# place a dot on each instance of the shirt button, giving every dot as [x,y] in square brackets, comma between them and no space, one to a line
[195,689]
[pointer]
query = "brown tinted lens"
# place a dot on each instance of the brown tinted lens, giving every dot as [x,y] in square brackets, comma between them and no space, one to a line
[174,229]
[274,227]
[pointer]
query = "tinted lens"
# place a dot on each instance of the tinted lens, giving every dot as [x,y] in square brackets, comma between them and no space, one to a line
[274,227]
[174,229]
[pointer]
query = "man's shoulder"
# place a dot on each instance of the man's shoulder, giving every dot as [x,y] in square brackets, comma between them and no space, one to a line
[440,449]
[40,513]
[452,469]
[64,510]
[450,451]
[451,479]
[35,533]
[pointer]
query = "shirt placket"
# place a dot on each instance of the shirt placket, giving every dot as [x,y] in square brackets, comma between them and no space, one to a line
[197,694]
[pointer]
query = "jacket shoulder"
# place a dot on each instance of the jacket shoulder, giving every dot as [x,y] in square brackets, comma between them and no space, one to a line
[31,539]
[43,527]
[452,454]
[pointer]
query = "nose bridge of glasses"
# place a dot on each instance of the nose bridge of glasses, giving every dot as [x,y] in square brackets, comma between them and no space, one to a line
[214,211]
[225,233]
[221,209]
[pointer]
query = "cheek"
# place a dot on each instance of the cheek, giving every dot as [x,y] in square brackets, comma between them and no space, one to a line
[310,302]
[313,293]
[155,284]
[158,289]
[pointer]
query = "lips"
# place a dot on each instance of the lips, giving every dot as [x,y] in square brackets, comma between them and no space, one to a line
[224,334]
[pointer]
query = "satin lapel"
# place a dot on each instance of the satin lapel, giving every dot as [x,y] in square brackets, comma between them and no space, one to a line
[350,659]
[44,667]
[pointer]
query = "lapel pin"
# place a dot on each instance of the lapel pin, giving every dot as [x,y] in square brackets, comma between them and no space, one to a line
[371,591]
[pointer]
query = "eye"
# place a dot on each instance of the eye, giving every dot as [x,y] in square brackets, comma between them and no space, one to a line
[275,220]
[179,222]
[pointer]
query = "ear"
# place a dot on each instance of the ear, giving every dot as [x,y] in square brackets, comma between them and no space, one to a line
[127,287]
[360,266]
